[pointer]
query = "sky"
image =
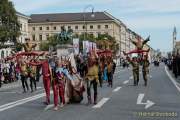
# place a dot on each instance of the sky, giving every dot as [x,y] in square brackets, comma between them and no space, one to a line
[156,18]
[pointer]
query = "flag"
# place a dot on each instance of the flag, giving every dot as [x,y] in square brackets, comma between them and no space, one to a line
[76,46]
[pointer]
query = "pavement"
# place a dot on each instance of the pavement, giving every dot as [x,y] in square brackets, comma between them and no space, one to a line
[160,100]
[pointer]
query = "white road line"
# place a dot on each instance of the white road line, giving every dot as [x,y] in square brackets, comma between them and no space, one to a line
[101,103]
[20,102]
[125,82]
[140,98]
[39,87]
[131,77]
[117,89]
[150,76]
[48,107]
[172,79]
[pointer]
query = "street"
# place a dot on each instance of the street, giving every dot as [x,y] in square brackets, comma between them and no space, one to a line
[160,100]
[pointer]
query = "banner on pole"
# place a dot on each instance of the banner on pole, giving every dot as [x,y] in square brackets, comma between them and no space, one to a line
[85,47]
[76,46]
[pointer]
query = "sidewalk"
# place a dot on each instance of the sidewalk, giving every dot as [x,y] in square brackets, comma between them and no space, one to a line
[171,73]
[11,85]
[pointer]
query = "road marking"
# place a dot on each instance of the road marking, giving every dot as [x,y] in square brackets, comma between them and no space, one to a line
[39,87]
[101,103]
[117,89]
[172,79]
[125,82]
[119,71]
[48,107]
[150,76]
[148,104]
[20,102]
[131,77]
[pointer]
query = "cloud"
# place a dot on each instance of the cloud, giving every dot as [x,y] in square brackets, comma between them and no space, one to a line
[153,22]
[142,16]
[28,6]
[150,5]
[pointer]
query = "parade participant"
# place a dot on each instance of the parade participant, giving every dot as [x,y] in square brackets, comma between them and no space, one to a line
[11,72]
[105,76]
[58,84]
[110,72]
[135,64]
[114,67]
[6,72]
[1,73]
[92,77]
[17,70]
[28,46]
[175,66]
[100,71]
[32,75]
[77,86]
[46,72]
[145,69]
[24,75]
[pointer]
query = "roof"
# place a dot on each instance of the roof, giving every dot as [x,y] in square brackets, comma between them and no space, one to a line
[18,13]
[177,43]
[68,17]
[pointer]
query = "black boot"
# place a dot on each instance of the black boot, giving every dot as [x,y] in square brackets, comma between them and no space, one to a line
[89,100]
[95,99]
[135,82]
[145,84]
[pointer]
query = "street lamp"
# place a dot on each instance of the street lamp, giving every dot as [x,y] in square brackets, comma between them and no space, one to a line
[84,16]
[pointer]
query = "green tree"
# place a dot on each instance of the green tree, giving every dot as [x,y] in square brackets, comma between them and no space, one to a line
[105,41]
[9,25]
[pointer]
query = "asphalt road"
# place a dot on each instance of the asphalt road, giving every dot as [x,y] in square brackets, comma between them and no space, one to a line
[160,100]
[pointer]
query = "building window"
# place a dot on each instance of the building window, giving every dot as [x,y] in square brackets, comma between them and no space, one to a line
[62,27]
[33,37]
[40,28]
[106,26]
[69,27]
[40,37]
[21,27]
[47,28]
[91,26]
[47,36]
[34,28]
[76,27]
[99,26]
[55,28]
[83,27]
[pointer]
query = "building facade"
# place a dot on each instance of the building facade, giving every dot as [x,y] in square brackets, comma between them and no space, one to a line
[41,26]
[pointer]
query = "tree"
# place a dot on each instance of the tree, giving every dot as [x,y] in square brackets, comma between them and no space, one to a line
[105,41]
[9,25]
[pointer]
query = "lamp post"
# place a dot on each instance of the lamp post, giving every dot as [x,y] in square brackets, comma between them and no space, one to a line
[84,17]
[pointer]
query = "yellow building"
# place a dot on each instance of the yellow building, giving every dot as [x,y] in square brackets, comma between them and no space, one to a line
[41,26]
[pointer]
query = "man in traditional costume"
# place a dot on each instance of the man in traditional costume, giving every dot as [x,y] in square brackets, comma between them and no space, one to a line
[92,77]
[145,69]
[46,72]
[28,46]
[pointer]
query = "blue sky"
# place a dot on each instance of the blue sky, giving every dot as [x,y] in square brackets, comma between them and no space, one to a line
[147,17]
